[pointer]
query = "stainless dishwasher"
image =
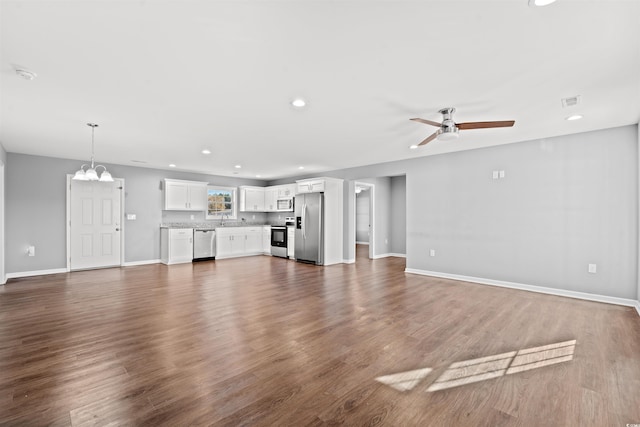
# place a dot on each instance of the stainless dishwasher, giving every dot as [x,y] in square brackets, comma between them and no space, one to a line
[204,244]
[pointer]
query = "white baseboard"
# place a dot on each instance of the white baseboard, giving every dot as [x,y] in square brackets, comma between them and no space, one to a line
[638,306]
[146,262]
[531,288]
[35,273]
[388,255]
[349,261]
[362,243]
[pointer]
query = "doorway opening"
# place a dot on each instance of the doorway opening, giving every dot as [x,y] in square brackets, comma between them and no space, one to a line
[364,223]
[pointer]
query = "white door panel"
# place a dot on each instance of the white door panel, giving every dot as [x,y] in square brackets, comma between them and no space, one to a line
[95,212]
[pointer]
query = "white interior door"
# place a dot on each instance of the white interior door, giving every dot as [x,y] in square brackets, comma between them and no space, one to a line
[95,213]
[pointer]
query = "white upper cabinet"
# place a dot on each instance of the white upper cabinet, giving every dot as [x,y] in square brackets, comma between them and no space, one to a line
[270,199]
[182,195]
[286,191]
[310,186]
[251,199]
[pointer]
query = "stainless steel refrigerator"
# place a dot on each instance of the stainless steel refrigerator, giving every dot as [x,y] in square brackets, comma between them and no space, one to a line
[310,228]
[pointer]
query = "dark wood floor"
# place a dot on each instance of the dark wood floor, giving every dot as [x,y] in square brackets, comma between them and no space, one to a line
[270,342]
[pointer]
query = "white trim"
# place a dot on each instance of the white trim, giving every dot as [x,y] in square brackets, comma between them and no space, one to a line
[531,288]
[398,255]
[68,219]
[349,261]
[146,262]
[638,307]
[35,273]
[362,243]
[382,256]
[391,254]
[3,278]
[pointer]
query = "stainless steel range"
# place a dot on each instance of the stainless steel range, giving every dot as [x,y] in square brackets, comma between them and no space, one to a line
[279,240]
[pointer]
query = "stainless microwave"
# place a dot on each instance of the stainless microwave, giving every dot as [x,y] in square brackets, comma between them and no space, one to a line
[284,205]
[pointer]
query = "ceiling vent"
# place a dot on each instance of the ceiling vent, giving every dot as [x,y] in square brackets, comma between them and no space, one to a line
[571,101]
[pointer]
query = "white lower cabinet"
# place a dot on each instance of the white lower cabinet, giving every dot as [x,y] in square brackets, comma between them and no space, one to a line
[291,242]
[176,245]
[266,240]
[238,241]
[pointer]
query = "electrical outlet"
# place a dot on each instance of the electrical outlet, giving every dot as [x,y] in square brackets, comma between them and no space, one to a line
[432,252]
[254,217]
[193,217]
[31,251]
[592,268]
[386,241]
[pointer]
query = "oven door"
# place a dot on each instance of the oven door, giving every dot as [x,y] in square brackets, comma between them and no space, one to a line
[279,237]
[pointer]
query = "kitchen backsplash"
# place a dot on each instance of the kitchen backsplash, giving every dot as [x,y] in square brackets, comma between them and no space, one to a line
[183,217]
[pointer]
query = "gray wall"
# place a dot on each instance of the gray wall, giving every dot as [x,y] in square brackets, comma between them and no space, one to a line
[565,202]
[362,216]
[36,209]
[399,214]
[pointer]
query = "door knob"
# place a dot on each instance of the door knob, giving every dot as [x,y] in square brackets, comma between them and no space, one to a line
[117,229]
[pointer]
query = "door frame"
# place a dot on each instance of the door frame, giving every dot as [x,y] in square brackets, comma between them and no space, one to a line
[3,278]
[371,217]
[122,227]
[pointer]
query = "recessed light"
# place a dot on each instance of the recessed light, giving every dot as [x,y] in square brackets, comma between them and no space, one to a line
[237,166]
[205,151]
[413,147]
[298,103]
[301,167]
[172,165]
[574,117]
[535,3]
[26,74]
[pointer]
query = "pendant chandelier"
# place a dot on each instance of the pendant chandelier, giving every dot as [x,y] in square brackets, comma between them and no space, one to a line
[91,173]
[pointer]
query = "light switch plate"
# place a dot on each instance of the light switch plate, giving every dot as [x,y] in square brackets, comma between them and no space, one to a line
[432,252]
[131,217]
[592,268]
[501,174]
[496,175]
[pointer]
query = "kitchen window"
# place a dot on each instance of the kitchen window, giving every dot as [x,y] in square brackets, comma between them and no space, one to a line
[221,202]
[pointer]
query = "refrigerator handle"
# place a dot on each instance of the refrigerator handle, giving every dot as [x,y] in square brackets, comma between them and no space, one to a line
[304,220]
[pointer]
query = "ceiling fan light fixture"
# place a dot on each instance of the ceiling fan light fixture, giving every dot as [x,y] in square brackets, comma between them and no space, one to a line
[448,133]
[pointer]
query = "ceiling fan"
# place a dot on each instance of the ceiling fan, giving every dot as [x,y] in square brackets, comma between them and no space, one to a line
[449,129]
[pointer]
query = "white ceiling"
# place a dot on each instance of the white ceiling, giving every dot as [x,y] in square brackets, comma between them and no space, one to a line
[166,79]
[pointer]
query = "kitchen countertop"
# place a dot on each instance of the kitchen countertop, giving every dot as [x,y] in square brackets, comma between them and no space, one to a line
[210,226]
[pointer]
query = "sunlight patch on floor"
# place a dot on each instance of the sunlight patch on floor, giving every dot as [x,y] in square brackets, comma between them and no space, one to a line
[484,368]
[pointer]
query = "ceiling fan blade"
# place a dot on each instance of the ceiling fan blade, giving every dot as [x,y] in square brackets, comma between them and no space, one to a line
[484,125]
[427,122]
[430,138]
